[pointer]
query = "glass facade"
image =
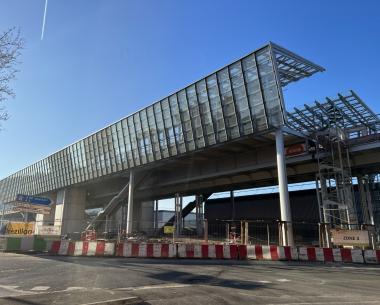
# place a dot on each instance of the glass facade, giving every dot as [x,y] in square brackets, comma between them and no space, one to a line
[236,101]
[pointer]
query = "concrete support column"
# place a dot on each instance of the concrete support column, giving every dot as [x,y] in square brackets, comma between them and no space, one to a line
[70,210]
[198,214]
[365,200]
[286,216]
[146,219]
[156,215]
[178,214]
[130,203]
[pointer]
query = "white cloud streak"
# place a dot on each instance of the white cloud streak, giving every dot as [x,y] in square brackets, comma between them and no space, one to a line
[44,21]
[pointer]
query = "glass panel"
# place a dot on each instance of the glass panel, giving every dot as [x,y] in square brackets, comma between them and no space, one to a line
[161,131]
[133,140]
[177,124]
[186,122]
[216,108]
[154,133]
[254,93]
[269,88]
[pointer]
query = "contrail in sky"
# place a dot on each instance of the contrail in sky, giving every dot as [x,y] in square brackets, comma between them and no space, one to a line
[44,20]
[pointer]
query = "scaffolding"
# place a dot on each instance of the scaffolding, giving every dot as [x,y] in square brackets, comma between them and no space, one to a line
[331,126]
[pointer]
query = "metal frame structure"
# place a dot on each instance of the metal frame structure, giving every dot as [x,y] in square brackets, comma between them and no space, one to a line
[292,67]
[331,125]
[353,112]
[239,100]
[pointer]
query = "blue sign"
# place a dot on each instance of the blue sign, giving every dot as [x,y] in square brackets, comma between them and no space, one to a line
[33,200]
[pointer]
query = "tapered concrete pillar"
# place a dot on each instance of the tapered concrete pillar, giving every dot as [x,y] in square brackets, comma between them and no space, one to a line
[146,219]
[130,203]
[70,210]
[286,215]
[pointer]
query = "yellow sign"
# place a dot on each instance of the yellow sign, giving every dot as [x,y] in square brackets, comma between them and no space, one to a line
[350,237]
[20,228]
[168,229]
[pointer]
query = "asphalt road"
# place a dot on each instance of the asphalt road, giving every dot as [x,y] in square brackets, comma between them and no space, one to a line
[29,280]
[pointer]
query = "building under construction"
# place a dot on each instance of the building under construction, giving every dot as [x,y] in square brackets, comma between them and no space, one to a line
[230,130]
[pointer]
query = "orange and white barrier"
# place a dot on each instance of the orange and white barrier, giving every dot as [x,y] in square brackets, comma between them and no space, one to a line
[372,256]
[127,249]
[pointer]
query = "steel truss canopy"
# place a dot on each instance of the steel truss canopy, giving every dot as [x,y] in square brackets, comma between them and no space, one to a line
[345,111]
[292,67]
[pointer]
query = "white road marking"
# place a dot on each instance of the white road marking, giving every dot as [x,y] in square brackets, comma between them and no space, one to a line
[264,282]
[10,288]
[40,288]
[115,301]
[74,288]
[283,280]
[12,270]
[154,287]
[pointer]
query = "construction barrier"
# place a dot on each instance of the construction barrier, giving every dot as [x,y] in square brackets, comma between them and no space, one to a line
[25,243]
[273,253]
[204,251]
[208,251]
[348,255]
[330,255]
[312,254]
[83,248]
[157,250]
[94,248]
[372,256]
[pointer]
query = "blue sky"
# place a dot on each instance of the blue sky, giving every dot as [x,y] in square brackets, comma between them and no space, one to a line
[102,60]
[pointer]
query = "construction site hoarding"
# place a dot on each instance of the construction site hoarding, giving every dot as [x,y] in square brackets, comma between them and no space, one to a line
[19,228]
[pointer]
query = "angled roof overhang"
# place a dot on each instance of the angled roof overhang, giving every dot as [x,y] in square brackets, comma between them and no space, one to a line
[292,67]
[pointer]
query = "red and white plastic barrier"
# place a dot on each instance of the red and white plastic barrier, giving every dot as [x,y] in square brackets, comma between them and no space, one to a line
[348,255]
[83,248]
[273,253]
[312,254]
[94,248]
[146,250]
[62,247]
[208,251]
[372,256]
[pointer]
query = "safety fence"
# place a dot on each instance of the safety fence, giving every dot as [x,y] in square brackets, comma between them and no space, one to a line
[103,248]
[239,231]
[258,232]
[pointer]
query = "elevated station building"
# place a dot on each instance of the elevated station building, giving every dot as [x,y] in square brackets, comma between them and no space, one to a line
[229,130]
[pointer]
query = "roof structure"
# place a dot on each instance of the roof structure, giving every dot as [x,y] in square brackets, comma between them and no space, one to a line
[292,67]
[238,100]
[344,111]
